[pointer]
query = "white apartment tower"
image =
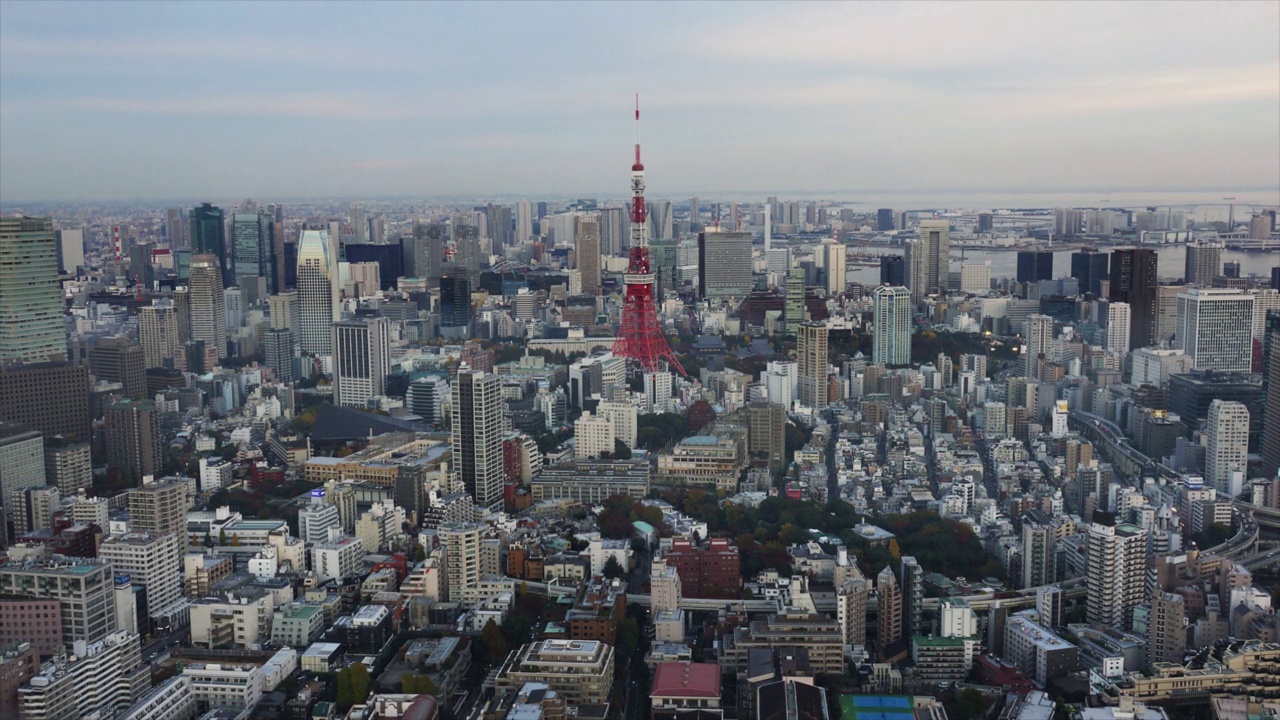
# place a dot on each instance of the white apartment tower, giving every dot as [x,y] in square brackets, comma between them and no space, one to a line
[1118,320]
[1037,333]
[892,334]
[1226,428]
[1116,570]
[208,304]
[477,435]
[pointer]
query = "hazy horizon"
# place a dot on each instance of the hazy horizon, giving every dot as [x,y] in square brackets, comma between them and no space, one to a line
[125,102]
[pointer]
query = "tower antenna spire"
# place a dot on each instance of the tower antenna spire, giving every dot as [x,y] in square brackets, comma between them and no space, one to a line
[637,128]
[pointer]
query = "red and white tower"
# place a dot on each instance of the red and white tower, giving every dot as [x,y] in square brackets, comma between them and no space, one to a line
[640,338]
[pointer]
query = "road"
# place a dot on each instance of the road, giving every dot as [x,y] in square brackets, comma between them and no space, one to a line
[162,643]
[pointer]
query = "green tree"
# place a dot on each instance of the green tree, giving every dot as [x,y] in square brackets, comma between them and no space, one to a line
[971,705]
[360,682]
[495,644]
[613,568]
[628,640]
[621,451]
[345,694]
[222,537]
[414,684]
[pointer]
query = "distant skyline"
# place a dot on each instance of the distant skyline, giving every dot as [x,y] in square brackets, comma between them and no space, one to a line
[138,101]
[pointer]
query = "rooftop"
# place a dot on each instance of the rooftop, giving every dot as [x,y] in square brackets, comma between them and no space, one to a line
[684,679]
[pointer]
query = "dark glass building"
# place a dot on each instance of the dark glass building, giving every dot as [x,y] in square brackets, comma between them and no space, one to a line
[1189,396]
[1034,266]
[1090,269]
[1134,280]
[893,270]
[389,258]
[208,236]
[884,219]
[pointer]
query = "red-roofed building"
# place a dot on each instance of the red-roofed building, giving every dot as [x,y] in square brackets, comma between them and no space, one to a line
[684,686]
[998,673]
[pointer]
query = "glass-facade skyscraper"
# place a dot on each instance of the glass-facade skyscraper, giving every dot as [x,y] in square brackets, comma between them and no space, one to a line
[31,307]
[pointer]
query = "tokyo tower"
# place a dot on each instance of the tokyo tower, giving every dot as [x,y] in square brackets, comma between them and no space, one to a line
[640,338]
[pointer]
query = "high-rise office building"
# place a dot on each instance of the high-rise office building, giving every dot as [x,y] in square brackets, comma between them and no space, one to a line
[31,305]
[477,435]
[1118,319]
[208,305]
[986,222]
[1133,279]
[359,224]
[70,243]
[68,464]
[1116,557]
[1090,268]
[524,222]
[724,264]
[21,467]
[133,437]
[1203,262]
[912,587]
[118,359]
[208,237]
[455,305]
[661,221]
[1211,330]
[812,360]
[889,602]
[1270,444]
[277,351]
[884,220]
[1037,333]
[893,270]
[253,244]
[586,233]
[1226,430]
[1067,222]
[794,311]
[928,259]
[50,397]
[158,333]
[424,256]
[1034,265]
[892,321]
[466,244]
[317,296]
[835,267]
[285,312]
[361,361]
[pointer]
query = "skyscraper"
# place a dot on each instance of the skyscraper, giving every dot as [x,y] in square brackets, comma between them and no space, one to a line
[1203,262]
[893,270]
[208,237]
[361,361]
[427,257]
[586,233]
[928,259]
[1116,570]
[70,242]
[1034,265]
[31,305]
[119,360]
[161,507]
[133,437]
[477,436]
[1215,328]
[1227,451]
[724,264]
[466,242]
[912,597]
[793,309]
[661,222]
[208,305]
[1037,333]
[1090,267]
[455,305]
[834,263]
[1133,279]
[253,241]
[1271,396]
[812,360]
[889,602]
[359,224]
[158,333]
[50,397]
[277,351]
[317,299]
[1118,319]
[21,467]
[1038,551]
[175,227]
[892,335]
[884,220]
[524,221]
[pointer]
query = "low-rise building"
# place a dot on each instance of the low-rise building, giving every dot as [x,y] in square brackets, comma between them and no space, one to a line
[297,624]
[1041,654]
[580,670]
[685,686]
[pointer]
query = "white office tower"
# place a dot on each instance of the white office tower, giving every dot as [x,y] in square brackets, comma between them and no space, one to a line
[1118,323]
[208,304]
[1263,300]
[427,398]
[958,619]
[477,435]
[524,221]
[782,381]
[1037,333]
[1215,327]
[1226,429]
[1060,415]
[1116,570]
[929,259]
[657,391]
[317,303]
[625,420]
[361,361]
[833,261]
[975,278]
[359,225]
[892,335]
[315,519]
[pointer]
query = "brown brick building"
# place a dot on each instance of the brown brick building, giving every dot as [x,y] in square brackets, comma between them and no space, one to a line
[710,570]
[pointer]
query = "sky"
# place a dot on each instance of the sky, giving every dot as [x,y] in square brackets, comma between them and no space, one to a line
[188,100]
